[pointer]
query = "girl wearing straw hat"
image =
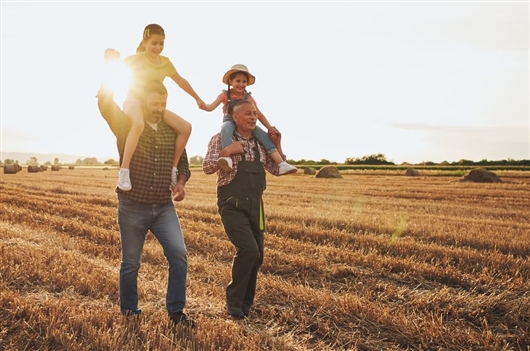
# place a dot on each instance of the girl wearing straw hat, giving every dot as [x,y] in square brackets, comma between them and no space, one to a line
[237,79]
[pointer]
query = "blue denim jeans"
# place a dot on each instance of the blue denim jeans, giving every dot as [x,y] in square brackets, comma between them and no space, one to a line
[228,127]
[134,220]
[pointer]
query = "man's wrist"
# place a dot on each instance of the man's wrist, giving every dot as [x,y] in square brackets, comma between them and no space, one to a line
[182,179]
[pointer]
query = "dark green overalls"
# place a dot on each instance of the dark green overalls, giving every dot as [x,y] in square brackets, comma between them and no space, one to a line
[241,208]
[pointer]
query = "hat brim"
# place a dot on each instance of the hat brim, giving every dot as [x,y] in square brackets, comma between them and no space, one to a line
[251,78]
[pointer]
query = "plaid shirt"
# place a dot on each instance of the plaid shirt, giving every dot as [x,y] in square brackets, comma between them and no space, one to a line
[209,165]
[150,168]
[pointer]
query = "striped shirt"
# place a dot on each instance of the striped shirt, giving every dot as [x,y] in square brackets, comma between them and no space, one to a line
[209,165]
[151,163]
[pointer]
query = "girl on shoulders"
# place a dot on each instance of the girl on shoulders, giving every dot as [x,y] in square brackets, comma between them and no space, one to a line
[237,79]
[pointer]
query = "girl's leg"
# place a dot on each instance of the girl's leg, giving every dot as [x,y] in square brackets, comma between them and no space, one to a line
[265,140]
[227,130]
[183,130]
[134,111]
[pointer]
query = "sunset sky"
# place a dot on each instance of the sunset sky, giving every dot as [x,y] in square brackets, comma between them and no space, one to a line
[416,81]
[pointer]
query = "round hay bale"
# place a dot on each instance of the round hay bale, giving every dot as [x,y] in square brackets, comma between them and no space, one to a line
[411,172]
[310,170]
[328,172]
[33,169]
[10,169]
[44,168]
[70,167]
[481,175]
[56,167]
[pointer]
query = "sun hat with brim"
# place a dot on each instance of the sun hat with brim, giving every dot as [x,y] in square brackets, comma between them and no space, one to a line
[239,68]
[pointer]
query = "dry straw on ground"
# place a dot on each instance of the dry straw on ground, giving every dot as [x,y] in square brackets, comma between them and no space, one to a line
[373,261]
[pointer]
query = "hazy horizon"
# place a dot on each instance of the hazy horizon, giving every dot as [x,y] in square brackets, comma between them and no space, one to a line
[42,158]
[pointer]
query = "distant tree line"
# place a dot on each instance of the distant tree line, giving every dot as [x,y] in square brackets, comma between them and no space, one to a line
[380,159]
[375,159]
[311,162]
[484,162]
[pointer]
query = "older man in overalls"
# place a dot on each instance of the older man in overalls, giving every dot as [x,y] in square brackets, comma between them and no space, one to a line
[240,204]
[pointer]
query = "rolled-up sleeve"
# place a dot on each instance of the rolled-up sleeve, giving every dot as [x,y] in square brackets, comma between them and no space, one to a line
[183,165]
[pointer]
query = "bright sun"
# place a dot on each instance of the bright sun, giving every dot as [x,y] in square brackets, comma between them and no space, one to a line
[117,77]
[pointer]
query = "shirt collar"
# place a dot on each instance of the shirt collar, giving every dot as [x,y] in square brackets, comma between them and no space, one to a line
[244,138]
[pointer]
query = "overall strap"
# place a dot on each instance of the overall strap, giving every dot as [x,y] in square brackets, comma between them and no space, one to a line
[245,97]
[257,154]
[236,137]
[230,103]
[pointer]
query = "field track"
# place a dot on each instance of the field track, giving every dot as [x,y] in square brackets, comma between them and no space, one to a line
[374,261]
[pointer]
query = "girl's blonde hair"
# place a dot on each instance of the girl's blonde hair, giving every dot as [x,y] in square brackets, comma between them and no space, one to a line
[150,29]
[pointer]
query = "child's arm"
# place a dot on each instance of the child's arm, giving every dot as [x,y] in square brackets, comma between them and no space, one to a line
[266,124]
[186,86]
[213,105]
[263,119]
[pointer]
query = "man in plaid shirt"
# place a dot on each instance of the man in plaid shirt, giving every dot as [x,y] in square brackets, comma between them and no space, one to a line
[149,205]
[240,203]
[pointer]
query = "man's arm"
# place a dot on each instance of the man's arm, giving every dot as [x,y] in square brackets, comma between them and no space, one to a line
[116,119]
[178,190]
[183,167]
[209,164]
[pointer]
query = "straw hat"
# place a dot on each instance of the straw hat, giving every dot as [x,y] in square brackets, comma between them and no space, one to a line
[239,68]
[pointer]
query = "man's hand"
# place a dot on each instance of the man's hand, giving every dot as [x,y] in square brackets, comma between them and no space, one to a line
[178,192]
[104,91]
[237,147]
[201,104]
[275,135]
[111,55]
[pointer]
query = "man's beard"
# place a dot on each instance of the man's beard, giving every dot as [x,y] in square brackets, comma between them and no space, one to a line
[155,117]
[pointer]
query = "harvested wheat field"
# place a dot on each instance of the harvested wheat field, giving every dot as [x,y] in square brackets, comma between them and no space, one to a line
[372,261]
